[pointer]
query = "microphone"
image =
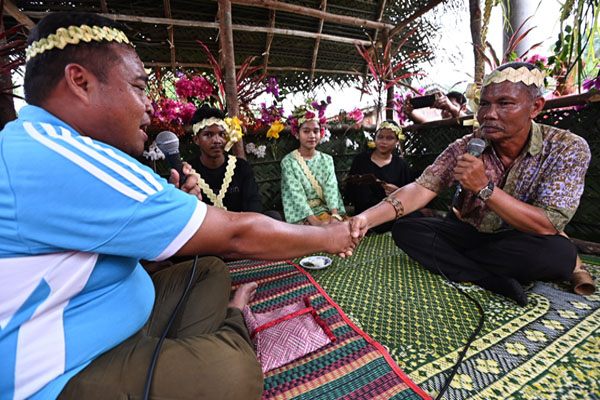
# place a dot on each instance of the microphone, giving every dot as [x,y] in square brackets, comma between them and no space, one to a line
[474,147]
[168,143]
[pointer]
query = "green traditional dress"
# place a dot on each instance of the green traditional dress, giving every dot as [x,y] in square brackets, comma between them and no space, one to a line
[299,197]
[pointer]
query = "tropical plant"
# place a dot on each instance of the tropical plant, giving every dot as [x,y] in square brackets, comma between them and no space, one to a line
[384,68]
[576,49]
[250,81]
[493,61]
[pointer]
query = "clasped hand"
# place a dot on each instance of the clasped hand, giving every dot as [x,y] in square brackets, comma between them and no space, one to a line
[191,182]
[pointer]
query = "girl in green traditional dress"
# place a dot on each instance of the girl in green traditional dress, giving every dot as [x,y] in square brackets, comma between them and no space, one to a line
[309,187]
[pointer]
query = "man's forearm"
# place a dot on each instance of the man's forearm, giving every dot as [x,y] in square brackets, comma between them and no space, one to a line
[521,216]
[255,236]
[412,196]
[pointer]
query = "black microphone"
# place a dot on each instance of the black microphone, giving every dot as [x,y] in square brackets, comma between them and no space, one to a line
[474,147]
[168,143]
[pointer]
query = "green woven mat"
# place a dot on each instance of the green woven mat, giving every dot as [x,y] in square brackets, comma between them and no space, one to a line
[547,350]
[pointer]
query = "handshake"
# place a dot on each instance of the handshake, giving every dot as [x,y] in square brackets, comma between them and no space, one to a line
[344,237]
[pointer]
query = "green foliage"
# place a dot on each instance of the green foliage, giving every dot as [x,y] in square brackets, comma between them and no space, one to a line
[578,45]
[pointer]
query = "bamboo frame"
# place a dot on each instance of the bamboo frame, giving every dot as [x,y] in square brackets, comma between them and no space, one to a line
[167,7]
[226,44]
[215,25]
[316,49]
[270,36]
[311,12]
[103,6]
[17,14]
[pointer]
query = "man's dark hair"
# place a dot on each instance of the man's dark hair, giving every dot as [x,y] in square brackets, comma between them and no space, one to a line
[533,90]
[205,112]
[459,97]
[44,71]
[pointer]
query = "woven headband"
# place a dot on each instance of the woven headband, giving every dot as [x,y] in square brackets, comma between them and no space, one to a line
[232,127]
[74,35]
[394,128]
[524,75]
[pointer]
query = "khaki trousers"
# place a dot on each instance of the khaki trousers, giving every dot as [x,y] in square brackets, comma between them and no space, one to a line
[206,354]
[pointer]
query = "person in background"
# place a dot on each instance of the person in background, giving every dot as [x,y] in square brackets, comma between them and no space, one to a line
[390,170]
[451,105]
[517,197]
[309,187]
[226,182]
[80,316]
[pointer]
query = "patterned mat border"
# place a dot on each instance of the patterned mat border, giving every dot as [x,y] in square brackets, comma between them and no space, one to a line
[388,358]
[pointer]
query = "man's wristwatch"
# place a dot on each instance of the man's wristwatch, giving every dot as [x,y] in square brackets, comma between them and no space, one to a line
[485,193]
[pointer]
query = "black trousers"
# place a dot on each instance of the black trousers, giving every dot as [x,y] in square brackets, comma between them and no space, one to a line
[465,254]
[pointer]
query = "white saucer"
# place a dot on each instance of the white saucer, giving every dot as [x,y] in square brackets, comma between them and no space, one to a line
[316,262]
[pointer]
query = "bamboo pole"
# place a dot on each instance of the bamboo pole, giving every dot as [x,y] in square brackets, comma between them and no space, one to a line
[215,25]
[17,14]
[311,12]
[316,49]
[299,69]
[475,13]
[269,40]
[103,6]
[226,42]
[167,7]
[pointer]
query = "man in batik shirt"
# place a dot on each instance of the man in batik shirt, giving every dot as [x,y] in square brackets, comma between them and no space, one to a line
[517,197]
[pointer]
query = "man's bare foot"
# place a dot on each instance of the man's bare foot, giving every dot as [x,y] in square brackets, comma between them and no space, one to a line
[243,295]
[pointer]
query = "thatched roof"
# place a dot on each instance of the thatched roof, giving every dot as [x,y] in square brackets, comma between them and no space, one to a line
[295,39]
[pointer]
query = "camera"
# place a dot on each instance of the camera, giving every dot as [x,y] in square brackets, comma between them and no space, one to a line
[423,101]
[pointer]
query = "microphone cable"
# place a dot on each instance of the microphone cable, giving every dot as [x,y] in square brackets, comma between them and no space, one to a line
[479,307]
[164,334]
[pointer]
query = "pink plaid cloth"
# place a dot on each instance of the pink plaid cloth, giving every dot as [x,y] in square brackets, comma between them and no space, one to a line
[287,333]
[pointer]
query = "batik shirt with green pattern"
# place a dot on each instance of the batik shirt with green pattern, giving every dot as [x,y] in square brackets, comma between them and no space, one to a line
[296,190]
[549,174]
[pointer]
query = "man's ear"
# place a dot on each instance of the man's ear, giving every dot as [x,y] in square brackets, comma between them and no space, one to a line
[79,81]
[196,139]
[537,106]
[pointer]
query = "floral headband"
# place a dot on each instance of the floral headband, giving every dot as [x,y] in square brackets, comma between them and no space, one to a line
[74,35]
[309,112]
[232,127]
[393,127]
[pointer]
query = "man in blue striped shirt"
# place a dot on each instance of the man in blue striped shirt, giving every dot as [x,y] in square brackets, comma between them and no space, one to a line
[79,316]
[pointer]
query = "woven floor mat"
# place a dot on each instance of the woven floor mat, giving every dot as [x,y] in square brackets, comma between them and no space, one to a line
[351,367]
[547,350]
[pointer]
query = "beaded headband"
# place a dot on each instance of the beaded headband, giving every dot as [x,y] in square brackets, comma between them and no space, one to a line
[394,128]
[232,127]
[74,35]
[524,75]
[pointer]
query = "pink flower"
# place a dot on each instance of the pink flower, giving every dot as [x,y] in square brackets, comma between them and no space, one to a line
[309,115]
[197,87]
[187,112]
[356,115]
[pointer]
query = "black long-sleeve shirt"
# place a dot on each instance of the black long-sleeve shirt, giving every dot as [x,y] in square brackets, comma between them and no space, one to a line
[364,196]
